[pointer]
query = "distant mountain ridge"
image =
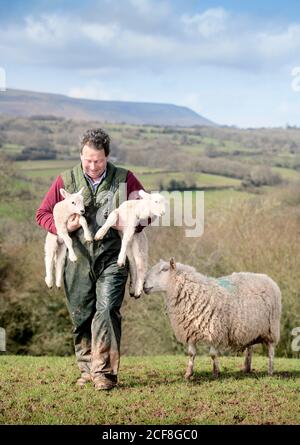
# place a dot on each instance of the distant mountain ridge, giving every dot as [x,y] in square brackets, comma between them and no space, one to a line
[29,103]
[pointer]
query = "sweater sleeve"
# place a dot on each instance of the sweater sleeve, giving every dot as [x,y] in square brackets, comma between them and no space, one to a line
[44,214]
[133,187]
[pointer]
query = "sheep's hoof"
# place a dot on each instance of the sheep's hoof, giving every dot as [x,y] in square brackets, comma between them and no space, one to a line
[88,240]
[188,375]
[136,296]
[73,259]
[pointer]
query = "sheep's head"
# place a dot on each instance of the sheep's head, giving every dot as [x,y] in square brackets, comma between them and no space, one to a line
[73,201]
[158,276]
[156,201]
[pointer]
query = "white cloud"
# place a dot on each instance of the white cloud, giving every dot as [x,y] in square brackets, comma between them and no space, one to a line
[210,23]
[47,30]
[97,90]
[214,37]
[100,34]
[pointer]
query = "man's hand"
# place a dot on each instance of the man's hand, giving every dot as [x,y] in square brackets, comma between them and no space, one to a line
[73,223]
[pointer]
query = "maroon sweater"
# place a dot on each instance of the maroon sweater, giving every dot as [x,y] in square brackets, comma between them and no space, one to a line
[44,214]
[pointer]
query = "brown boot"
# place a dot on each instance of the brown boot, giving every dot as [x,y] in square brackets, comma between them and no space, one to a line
[102,382]
[84,379]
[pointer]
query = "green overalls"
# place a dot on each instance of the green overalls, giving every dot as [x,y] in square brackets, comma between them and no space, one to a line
[95,285]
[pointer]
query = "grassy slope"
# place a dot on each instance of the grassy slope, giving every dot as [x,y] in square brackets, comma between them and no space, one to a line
[41,390]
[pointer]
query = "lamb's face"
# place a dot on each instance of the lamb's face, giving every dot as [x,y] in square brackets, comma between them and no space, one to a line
[157,278]
[155,201]
[74,201]
[75,204]
[158,204]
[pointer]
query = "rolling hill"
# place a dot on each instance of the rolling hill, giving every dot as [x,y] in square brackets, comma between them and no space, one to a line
[28,103]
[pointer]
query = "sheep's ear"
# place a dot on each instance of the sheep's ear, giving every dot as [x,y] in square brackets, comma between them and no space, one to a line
[143,194]
[172,263]
[64,193]
[80,191]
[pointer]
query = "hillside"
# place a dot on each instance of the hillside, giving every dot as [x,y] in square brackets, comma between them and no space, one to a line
[27,103]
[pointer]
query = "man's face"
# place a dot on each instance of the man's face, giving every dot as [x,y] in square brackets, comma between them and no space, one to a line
[93,161]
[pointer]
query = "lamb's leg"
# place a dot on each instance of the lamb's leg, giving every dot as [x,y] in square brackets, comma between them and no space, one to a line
[192,354]
[127,238]
[111,221]
[87,234]
[68,242]
[132,269]
[140,253]
[214,355]
[60,260]
[50,251]
[271,348]
[248,359]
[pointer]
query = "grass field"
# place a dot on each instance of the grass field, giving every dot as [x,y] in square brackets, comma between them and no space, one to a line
[152,390]
[150,177]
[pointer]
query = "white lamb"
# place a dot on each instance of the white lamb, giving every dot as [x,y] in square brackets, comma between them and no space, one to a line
[234,312]
[56,245]
[135,245]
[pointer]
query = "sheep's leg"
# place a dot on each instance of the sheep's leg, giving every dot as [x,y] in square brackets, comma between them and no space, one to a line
[132,268]
[271,348]
[111,221]
[192,354]
[87,234]
[68,242]
[50,252]
[248,359]
[140,253]
[127,237]
[214,355]
[60,260]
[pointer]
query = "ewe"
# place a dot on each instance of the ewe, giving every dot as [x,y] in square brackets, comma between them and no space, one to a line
[234,312]
[56,245]
[135,245]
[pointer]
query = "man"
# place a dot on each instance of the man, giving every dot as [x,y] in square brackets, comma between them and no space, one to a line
[94,285]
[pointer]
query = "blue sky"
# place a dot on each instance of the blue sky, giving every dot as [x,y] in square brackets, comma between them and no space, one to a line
[231,61]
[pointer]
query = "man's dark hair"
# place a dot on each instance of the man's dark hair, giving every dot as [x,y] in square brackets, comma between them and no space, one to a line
[96,138]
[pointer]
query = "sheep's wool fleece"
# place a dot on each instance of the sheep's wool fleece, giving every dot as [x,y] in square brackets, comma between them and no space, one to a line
[230,312]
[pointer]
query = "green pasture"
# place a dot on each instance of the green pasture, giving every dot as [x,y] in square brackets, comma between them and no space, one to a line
[152,390]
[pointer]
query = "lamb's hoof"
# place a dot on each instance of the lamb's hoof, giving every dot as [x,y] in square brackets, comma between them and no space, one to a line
[188,375]
[49,283]
[121,263]
[88,240]
[136,296]
[73,259]
[58,285]
[98,236]
[216,375]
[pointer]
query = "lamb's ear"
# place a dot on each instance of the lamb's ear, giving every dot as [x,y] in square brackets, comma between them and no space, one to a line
[143,194]
[64,193]
[172,263]
[80,191]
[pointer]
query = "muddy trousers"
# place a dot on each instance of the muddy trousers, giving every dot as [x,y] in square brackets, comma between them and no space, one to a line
[94,301]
